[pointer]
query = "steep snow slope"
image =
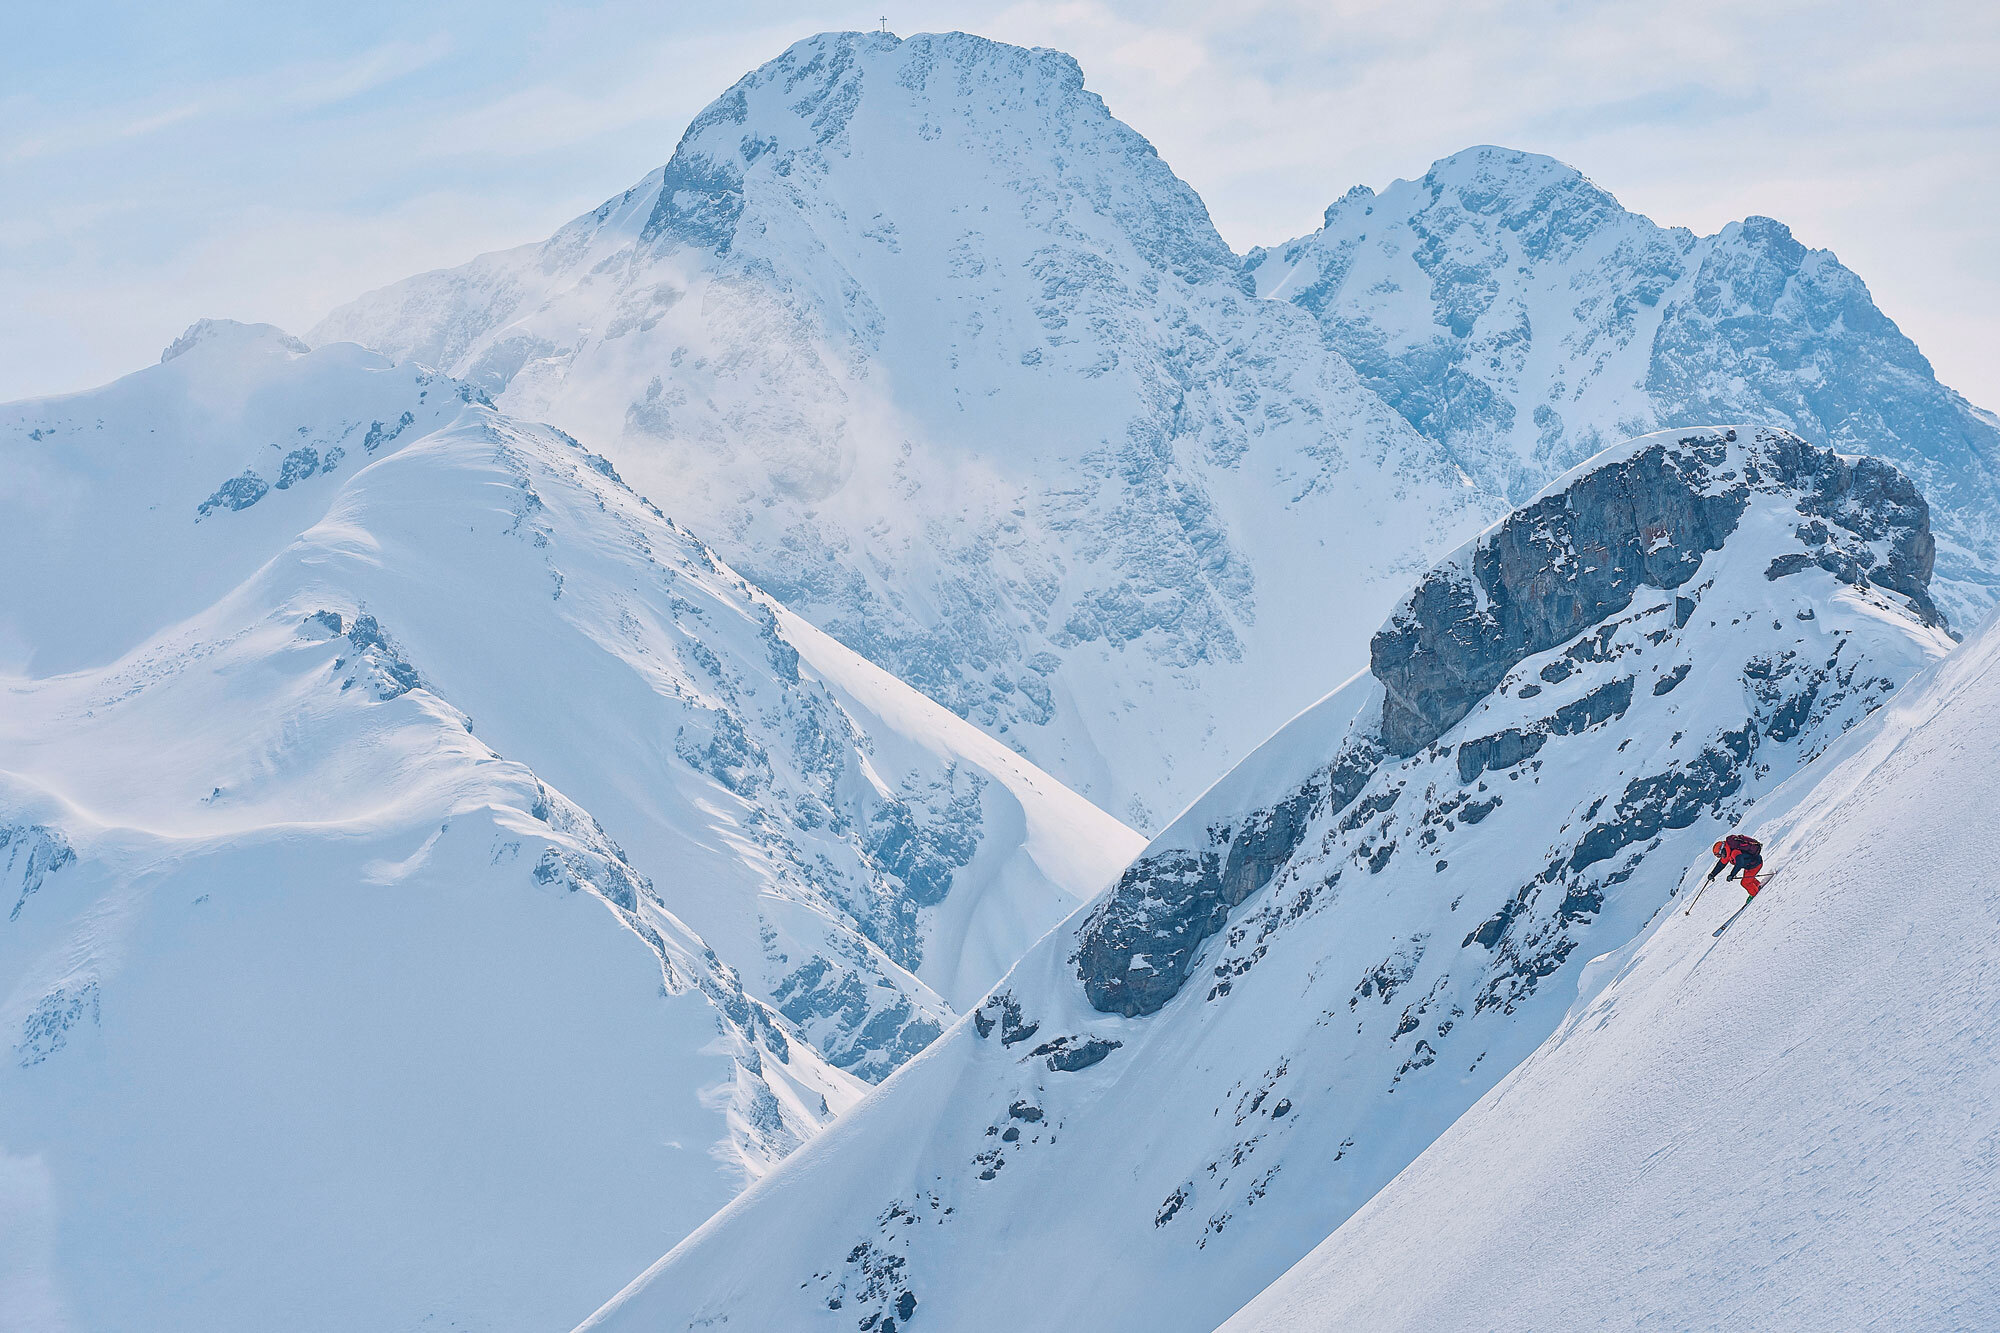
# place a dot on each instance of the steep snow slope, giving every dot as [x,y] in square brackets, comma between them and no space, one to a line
[1340,947]
[363,1041]
[1515,312]
[332,689]
[942,355]
[1789,1126]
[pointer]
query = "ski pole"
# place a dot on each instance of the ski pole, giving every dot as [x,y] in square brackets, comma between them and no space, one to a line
[1697,894]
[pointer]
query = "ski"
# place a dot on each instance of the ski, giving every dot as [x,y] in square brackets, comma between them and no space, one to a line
[1732,919]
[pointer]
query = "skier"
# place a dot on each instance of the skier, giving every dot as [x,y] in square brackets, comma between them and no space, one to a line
[1743,855]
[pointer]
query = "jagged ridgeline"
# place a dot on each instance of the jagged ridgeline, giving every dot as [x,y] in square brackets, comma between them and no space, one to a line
[430,873]
[1513,310]
[1363,926]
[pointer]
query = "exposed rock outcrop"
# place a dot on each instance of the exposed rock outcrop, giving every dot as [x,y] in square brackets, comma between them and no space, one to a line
[1142,939]
[1575,557]
[1563,569]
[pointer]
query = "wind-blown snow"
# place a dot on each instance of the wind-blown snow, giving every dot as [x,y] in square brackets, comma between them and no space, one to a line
[434,881]
[1786,1126]
[943,356]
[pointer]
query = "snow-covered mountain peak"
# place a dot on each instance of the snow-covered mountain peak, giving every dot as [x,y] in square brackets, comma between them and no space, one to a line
[1488,178]
[170,486]
[1475,190]
[1583,570]
[1518,314]
[1335,951]
[1642,515]
[230,337]
[910,108]
[943,356]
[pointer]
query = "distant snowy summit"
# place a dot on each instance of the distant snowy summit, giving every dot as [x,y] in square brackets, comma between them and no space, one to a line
[1359,930]
[235,335]
[945,357]
[1513,311]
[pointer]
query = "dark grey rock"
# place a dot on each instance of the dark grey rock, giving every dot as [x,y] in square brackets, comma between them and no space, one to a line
[1673,799]
[36,851]
[1499,751]
[1602,704]
[236,494]
[298,465]
[1140,943]
[399,677]
[1545,574]
[379,435]
[1066,1055]
[1571,559]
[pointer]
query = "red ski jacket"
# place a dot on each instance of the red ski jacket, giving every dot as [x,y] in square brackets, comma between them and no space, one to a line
[1740,848]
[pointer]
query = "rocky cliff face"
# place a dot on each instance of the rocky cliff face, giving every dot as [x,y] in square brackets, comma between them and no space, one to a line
[1516,313]
[1577,556]
[1814,1065]
[1355,933]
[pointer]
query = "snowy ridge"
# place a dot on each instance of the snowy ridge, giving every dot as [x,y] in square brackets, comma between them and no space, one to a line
[364,659]
[1314,971]
[1515,312]
[942,355]
[1783,1125]
[315,1013]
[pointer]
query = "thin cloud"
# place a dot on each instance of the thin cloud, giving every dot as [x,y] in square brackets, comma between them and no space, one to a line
[668,81]
[305,86]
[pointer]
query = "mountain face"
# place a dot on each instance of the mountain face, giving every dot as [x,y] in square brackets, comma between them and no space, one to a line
[1517,314]
[1349,939]
[429,870]
[944,357]
[1784,1125]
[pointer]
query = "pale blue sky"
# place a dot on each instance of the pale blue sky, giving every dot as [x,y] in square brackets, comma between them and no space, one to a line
[160,163]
